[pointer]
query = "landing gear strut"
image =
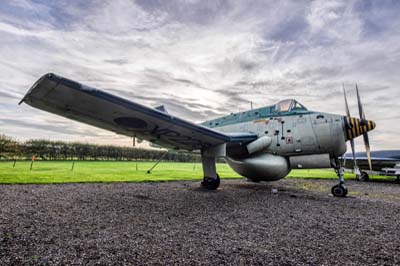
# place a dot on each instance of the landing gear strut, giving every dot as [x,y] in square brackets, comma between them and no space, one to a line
[339,190]
[211,179]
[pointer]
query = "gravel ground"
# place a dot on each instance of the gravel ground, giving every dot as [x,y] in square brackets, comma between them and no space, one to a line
[179,223]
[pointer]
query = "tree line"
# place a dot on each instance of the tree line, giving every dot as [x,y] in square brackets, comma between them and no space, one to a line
[11,149]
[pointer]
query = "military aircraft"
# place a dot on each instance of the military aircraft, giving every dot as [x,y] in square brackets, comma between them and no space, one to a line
[262,144]
[386,162]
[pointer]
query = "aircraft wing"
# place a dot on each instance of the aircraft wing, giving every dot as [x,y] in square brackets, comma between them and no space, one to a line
[79,102]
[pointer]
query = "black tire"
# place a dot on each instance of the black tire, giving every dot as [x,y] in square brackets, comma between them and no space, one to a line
[363,177]
[339,191]
[211,183]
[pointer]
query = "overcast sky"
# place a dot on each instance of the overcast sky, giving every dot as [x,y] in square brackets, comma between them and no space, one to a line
[202,59]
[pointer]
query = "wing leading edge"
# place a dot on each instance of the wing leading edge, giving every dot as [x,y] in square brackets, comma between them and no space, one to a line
[85,104]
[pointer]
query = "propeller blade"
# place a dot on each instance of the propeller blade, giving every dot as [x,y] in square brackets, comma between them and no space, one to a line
[368,150]
[345,101]
[360,107]
[365,135]
[353,151]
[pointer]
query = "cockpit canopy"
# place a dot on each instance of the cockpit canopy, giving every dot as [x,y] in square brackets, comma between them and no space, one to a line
[289,105]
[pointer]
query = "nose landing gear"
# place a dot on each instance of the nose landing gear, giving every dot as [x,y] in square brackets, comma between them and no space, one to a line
[363,176]
[339,190]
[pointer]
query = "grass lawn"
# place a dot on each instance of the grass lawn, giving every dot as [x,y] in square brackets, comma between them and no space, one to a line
[45,172]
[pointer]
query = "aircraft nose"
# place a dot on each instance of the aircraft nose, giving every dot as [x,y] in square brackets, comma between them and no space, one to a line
[371,125]
[356,127]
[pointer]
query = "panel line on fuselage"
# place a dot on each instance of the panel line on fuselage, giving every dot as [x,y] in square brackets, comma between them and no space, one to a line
[249,116]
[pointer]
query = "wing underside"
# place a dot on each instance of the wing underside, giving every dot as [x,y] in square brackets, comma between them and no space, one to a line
[79,102]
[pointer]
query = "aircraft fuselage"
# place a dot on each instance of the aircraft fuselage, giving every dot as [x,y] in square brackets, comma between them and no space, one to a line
[295,139]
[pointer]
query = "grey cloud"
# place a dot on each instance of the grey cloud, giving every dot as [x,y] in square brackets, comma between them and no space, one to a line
[188,82]
[205,58]
[8,96]
[199,12]
[183,108]
[46,127]
[117,61]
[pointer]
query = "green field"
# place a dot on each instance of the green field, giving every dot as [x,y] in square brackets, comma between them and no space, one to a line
[45,172]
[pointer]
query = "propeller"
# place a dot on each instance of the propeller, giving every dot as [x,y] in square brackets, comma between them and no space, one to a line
[353,151]
[365,134]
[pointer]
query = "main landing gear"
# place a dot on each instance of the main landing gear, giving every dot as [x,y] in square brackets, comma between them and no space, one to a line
[211,179]
[211,183]
[339,190]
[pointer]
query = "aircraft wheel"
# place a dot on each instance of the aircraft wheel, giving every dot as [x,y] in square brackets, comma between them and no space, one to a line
[363,177]
[339,190]
[211,183]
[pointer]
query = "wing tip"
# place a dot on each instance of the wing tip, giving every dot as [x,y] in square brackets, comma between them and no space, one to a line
[47,75]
